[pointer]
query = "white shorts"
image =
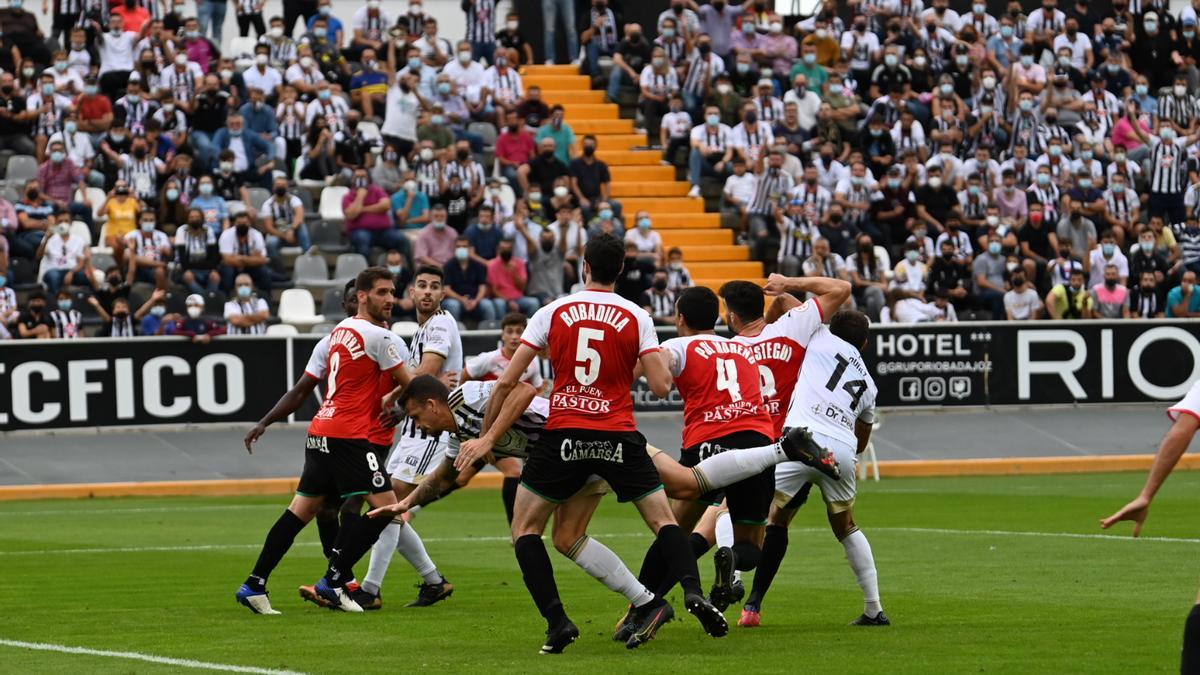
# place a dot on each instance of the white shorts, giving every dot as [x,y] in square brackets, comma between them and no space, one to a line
[838,495]
[413,457]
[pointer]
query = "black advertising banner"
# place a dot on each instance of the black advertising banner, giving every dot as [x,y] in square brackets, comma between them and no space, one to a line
[134,382]
[993,363]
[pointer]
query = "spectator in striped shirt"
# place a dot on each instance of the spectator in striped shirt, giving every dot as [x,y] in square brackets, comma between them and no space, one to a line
[246,313]
[659,301]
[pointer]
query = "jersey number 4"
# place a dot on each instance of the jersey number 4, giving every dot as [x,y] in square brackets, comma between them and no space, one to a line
[856,388]
[727,379]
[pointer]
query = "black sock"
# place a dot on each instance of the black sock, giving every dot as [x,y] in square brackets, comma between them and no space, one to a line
[340,543]
[699,544]
[508,492]
[1191,643]
[357,538]
[678,555]
[539,578]
[746,555]
[327,530]
[775,544]
[279,540]
[654,573]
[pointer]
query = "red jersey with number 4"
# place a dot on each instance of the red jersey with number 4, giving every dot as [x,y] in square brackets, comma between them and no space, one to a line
[359,353]
[719,382]
[595,339]
[779,352]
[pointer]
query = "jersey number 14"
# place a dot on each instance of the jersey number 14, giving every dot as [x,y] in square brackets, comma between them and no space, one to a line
[856,388]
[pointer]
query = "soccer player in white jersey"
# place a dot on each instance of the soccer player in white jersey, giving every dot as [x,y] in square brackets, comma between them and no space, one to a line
[834,397]
[488,366]
[436,349]
[1186,417]
[339,457]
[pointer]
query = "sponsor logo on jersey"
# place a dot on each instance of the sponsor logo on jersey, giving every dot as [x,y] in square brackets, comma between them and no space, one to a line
[582,311]
[603,450]
[350,340]
[580,398]
[732,411]
[392,352]
[316,443]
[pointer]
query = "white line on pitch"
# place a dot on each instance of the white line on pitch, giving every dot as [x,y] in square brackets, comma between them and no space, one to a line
[467,540]
[139,509]
[137,656]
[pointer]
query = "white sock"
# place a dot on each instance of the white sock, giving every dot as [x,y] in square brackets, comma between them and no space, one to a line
[599,561]
[725,536]
[413,550]
[732,466]
[381,557]
[858,553]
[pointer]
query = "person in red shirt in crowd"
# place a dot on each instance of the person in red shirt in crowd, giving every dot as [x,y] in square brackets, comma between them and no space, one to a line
[134,14]
[94,109]
[507,276]
[368,217]
[514,147]
[59,178]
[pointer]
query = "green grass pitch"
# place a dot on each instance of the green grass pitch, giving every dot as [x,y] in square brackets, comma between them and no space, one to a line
[975,573]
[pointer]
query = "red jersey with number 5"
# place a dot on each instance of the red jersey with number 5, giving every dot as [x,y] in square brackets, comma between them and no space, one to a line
[719,382]
[595,339]
[779,352]
[359,354]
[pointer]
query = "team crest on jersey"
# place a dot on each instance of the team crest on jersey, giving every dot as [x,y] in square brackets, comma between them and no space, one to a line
[392,352]
[377,480]
[604,450]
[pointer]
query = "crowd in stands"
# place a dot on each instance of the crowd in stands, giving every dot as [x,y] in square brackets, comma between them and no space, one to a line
[950,166]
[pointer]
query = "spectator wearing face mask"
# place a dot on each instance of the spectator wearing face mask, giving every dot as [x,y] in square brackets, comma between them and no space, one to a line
[508,279]
[410,205]
[466,285]
[34,322]
[541,171]
[120,322]
[246,313]
[1146,300]
[368,220]
[659,301]
[1071,300]
[989,270]
[154,318]
[562,134]
[195,325]
[1107,253]
[389,170]
[435,241]
[66,259]
[484,236]
[546,263]
[647,240]
[1111,297]
[591,181]
[1022,302]
[212,205]
[1183,301]
[1145,258]
[253,157]
[67,320]
[243,251]
[149,253]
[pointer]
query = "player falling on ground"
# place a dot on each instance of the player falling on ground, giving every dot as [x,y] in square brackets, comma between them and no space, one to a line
[328,527]
[724,413]
[435,349]
[1186,417]
[834,397]
[461,414]
[488,367]
[595,339]
[339,458]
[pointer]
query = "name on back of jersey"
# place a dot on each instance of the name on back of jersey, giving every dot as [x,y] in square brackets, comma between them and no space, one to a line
[738,406]
[352,342]
[585,311]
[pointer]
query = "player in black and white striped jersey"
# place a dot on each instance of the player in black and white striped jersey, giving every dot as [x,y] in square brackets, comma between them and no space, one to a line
[435,349]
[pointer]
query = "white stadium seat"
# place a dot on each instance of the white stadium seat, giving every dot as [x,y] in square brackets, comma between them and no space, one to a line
[296,307]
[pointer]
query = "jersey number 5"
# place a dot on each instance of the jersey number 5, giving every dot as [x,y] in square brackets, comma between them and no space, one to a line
[856,388]
[588,359]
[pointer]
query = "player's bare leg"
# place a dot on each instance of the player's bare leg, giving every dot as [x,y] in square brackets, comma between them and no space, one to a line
[774,549]
[253,593]
[530,514]
[674,548]
[399,535]
[862,562]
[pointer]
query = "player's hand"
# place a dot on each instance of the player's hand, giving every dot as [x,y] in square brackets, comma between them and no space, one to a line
[391,416]
[449,378]
[391,510]
[471,451]
[776,285]
[1136,510]
[253,435]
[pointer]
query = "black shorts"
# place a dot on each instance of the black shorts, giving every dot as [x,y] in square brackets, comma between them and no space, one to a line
[749,499]
[562,461]
[341,467]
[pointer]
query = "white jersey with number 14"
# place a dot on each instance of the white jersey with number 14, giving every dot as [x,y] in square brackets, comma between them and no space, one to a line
[835,389]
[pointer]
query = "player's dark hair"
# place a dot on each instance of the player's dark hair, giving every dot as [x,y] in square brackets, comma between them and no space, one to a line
[348,292]
[430,269]
[513,319]
[422,388]
[852,326]
[605,255]
[744,299]
[699,307]
[366,279]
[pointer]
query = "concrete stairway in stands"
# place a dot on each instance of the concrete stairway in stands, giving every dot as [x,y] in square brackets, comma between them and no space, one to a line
[642,182]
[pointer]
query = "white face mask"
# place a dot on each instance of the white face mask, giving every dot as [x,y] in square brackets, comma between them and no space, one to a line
[426,154]
[181,59]
[195,311]
[306,62]
[276,32]
[561,191]
[464,57]
[261,59]
[410,186]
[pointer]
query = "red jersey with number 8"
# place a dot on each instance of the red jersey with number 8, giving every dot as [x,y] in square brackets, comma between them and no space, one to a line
[719,382]
[595,339]
[359,353]
[779,352]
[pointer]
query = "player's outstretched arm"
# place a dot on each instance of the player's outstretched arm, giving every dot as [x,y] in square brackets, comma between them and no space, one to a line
[428,490]
[831,293]
[507,382]
[780,306]
[1173,445]
[654,367]
[515,405]
[286,405]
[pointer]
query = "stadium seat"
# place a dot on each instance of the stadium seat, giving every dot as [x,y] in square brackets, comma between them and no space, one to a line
[102,260]
[240,46]
[489,324]
[102,248]
[296,308]
[140,293]
[331,204]
[331,302]
[20,169]
[306,200]
[369,130]
[9,194]
[282,330]
[81,230]
[348,266]
[322,329]
[258,197]
[327,236]
[214,303]
[486,131]
[406,329]
[21,275]
[311,271]
[97,197]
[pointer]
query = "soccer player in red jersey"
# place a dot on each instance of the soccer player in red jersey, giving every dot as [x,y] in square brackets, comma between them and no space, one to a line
[596,338]
[339,456]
